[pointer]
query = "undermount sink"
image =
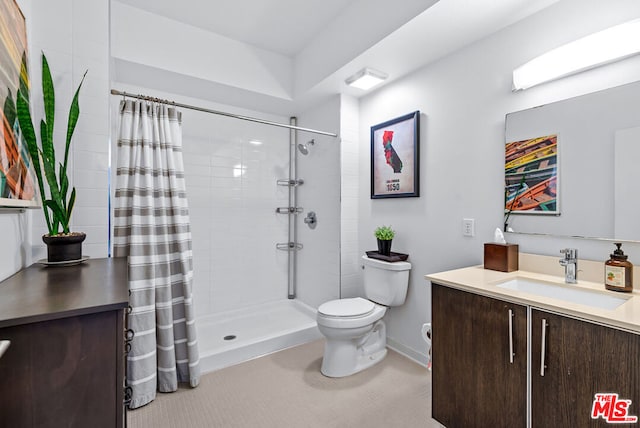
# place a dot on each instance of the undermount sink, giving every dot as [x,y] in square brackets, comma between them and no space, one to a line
[569,293]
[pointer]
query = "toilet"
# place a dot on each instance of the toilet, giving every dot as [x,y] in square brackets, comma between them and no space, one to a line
[354,330]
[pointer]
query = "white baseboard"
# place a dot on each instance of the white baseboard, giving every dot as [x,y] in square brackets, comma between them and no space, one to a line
[412,354]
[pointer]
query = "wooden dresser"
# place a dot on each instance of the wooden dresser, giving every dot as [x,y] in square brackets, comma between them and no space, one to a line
[65,364]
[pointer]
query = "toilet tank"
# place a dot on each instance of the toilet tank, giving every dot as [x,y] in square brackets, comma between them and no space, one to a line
[386,283]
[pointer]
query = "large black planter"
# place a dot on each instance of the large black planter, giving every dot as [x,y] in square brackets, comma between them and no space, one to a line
[63,248]
[384,247]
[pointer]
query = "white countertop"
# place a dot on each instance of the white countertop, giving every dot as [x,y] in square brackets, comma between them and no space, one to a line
[482,281]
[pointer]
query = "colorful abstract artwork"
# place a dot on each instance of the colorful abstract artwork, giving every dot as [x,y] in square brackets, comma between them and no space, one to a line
[531,175]
[17,185]
[394,157]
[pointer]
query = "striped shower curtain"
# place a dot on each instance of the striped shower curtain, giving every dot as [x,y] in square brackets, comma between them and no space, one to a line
[151,228]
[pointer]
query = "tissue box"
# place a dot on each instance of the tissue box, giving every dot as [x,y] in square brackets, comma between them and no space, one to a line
[502,257]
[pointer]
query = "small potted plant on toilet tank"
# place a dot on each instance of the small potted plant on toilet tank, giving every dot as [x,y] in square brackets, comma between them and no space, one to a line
[385,235]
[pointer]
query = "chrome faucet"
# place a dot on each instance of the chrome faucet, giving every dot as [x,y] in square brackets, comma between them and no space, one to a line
[570,263]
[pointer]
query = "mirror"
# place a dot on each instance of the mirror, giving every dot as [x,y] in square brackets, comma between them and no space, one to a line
[598,157]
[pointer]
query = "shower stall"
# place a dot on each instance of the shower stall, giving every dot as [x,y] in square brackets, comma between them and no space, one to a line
[260,267]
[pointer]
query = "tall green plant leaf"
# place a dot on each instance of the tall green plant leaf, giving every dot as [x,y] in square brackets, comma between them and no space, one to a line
[64,185]
[48,95]
[49,165]
[72,201]
[74,113]
[58,213]
[29,134]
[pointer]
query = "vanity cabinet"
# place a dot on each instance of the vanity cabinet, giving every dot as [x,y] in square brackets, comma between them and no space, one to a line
[479,356]
[475,384]
[580,359]
[65,364]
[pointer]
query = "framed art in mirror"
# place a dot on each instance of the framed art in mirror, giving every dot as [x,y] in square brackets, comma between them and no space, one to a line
[531,176]
[395,157]
[17,183]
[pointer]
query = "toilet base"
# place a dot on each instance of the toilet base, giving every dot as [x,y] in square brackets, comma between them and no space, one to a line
[347,356]
[364,362]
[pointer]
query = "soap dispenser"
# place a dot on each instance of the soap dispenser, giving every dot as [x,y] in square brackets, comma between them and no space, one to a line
[618,272]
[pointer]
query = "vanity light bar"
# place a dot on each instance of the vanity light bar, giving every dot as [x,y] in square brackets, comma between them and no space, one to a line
[603,47]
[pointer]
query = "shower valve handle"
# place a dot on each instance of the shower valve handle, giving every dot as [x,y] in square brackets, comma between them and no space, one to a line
[311,220]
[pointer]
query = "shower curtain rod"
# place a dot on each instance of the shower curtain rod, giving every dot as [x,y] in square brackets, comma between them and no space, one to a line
[221,113]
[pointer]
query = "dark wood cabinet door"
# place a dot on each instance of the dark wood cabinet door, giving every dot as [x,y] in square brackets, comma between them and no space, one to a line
[581,359]
[63,373]
[475,383]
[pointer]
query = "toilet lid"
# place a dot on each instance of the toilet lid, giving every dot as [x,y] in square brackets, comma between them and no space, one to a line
[353,307]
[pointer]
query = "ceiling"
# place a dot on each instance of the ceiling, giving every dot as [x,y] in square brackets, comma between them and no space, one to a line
[281,26]
[326,41]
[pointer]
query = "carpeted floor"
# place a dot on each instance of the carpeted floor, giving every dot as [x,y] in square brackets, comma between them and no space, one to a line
[287,390]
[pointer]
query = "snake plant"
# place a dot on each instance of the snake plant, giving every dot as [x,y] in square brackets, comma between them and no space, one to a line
[57,206]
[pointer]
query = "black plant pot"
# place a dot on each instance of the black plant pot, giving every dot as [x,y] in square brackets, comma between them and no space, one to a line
[384,247]
[64,248]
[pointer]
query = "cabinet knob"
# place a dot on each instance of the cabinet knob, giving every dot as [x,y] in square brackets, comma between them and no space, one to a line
[129,334]
[128,395]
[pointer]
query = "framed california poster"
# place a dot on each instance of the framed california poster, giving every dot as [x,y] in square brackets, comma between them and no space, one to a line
[531,176]
[394,157]
[17,184]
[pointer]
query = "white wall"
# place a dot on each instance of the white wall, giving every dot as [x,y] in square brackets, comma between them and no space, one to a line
[319,261]
[463,100]
[350,271]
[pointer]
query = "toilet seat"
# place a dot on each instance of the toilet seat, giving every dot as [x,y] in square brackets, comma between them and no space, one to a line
[349,313]
[354,307]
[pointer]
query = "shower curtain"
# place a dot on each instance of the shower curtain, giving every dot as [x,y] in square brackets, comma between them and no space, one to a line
[151,228]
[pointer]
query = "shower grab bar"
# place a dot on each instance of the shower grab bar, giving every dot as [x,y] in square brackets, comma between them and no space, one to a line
[289,210]
[289,246]
[290,183]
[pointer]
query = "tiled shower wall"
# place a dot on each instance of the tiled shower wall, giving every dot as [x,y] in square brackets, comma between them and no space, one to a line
[233,195]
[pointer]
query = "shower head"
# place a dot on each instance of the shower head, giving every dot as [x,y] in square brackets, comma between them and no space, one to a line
[304,148]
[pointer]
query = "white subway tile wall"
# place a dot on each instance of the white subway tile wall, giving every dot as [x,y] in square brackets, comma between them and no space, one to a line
[350,273]
[75,41]
[233,195]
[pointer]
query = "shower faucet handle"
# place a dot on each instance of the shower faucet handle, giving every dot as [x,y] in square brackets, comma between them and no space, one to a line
[311,220]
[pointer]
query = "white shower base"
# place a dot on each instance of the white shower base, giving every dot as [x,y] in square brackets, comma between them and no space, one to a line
[258,330]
